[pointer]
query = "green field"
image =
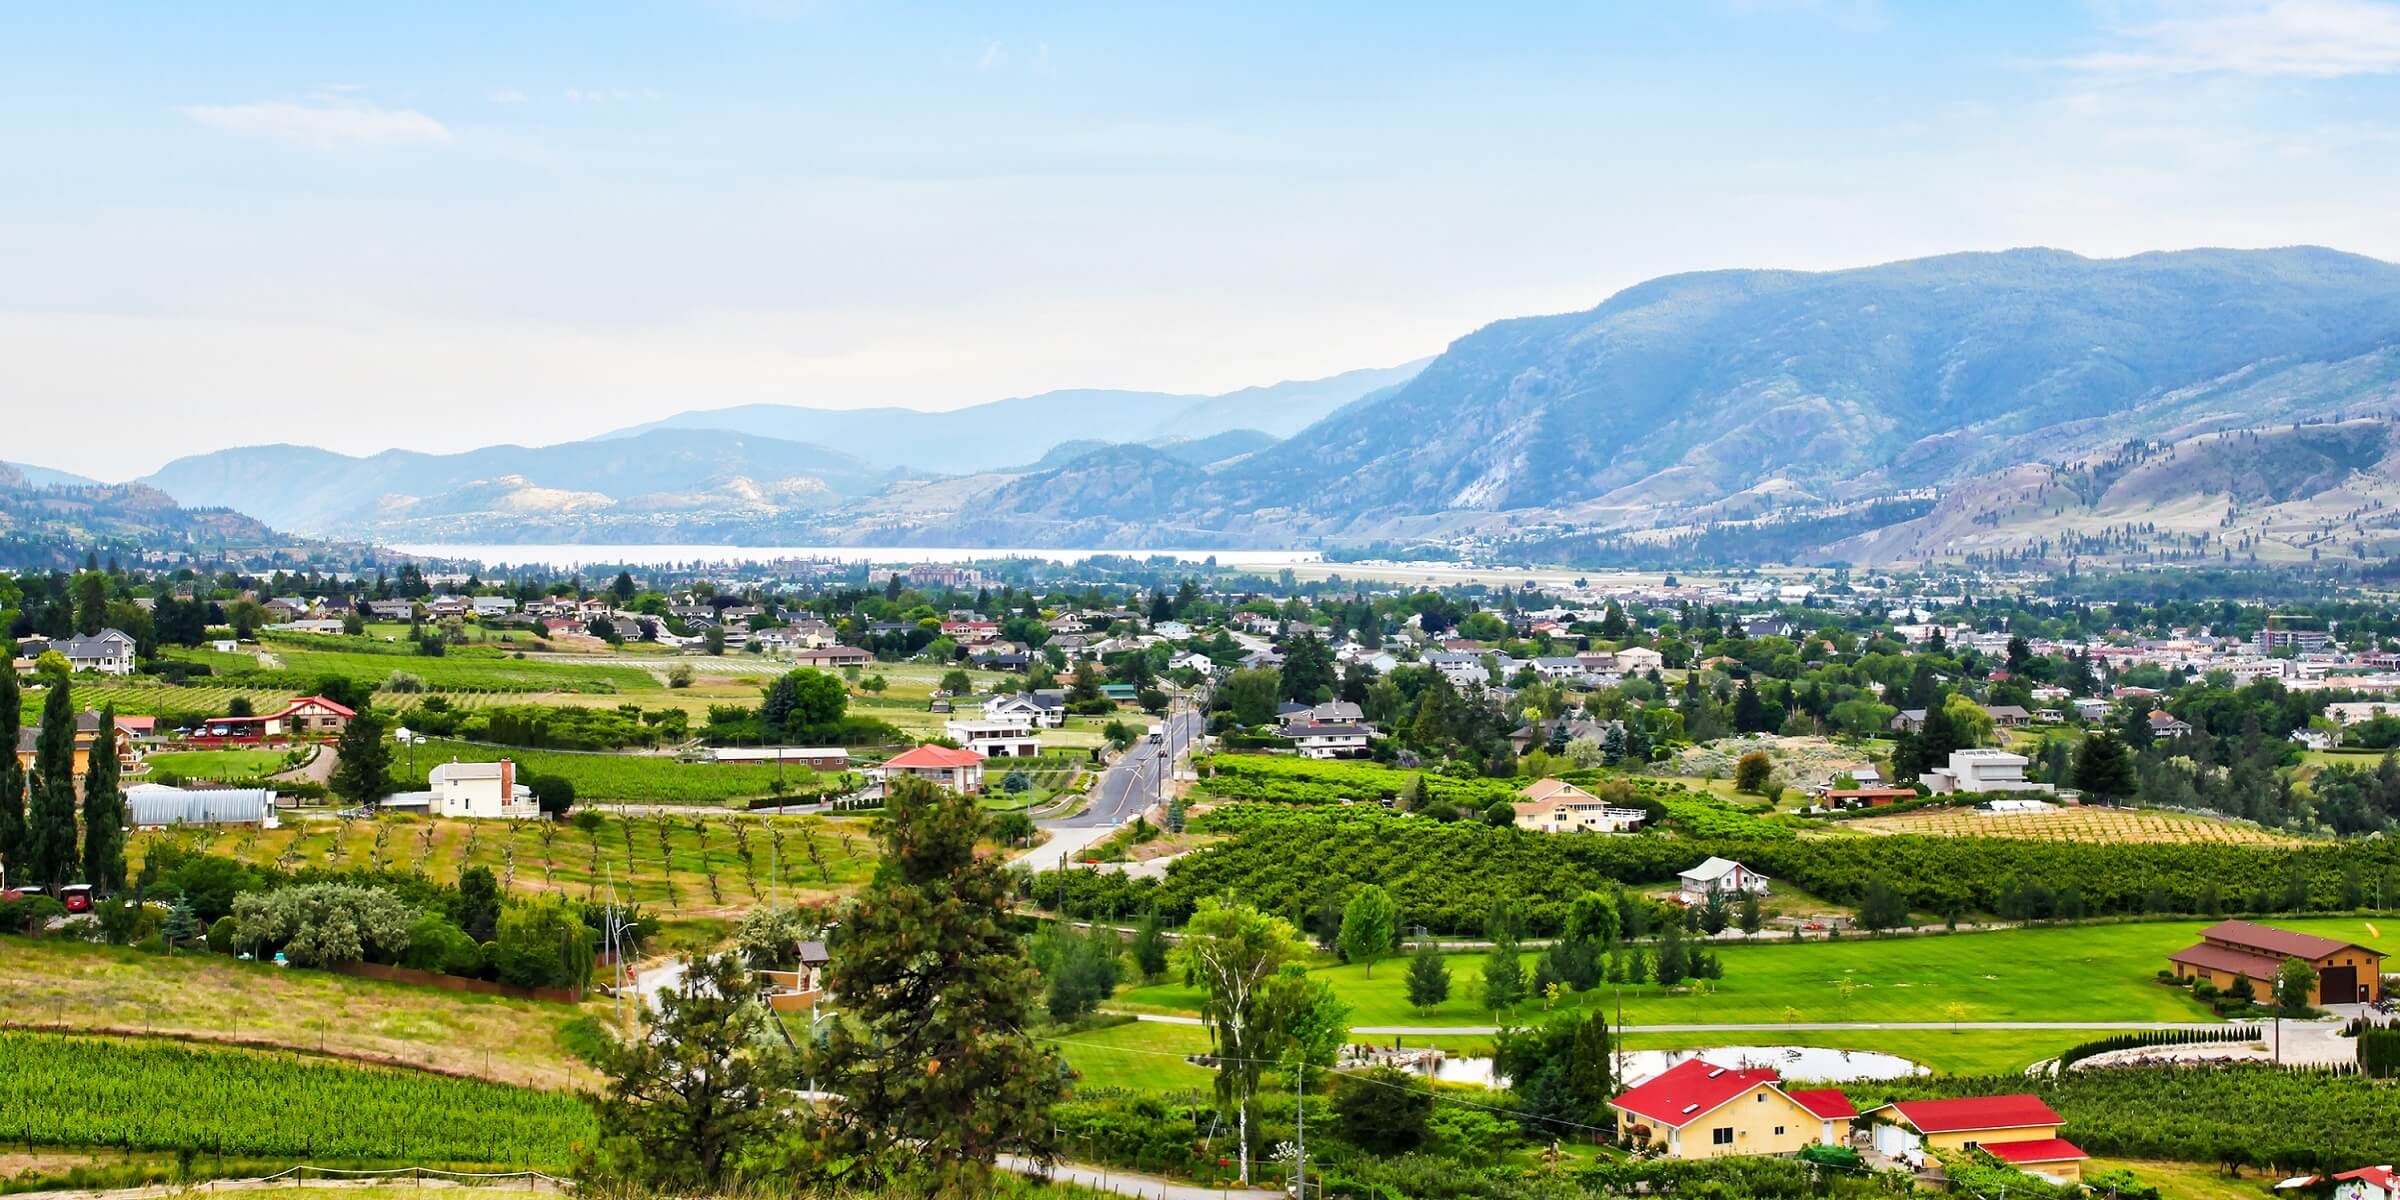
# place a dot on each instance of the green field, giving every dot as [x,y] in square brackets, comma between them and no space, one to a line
[464,668]
[218,764]
[2080,973]
[138,1094]
[712,865]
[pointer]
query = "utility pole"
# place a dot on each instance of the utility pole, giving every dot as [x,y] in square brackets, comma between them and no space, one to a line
[1300,1127]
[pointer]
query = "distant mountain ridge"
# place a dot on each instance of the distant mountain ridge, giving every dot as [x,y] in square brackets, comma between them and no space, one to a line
[1000,433]
[71,518]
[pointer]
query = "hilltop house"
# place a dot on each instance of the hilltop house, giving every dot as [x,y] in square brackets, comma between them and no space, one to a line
[1697,1109]
[2347,973]
[1719,876]
[1981,771]
[109,652]
[2018,1130]
[1556,806]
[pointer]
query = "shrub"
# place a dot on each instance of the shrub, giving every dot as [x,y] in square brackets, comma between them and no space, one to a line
[225,937]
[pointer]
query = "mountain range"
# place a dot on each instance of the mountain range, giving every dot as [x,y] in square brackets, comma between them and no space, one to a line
[2012,404]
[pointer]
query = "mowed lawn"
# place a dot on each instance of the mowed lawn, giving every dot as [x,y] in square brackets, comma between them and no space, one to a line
[2060,973]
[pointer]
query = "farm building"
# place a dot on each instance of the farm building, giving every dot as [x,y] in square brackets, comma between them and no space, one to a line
[1697,1109]
[157,806]
[2347,973]
[2019,1130]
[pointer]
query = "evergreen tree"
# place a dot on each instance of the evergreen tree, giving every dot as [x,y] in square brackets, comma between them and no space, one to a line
[12,772]
[362,772]
[931,1062]
[705,1085]
[104,809]
[1752,919]
[1428,978]
[1503,976]
[2104,767]
[50,810]
[1673,962]
[182,925]
[1150,946]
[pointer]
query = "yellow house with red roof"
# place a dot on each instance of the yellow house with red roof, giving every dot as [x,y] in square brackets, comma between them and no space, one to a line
[1697,1109]
[2019,1130]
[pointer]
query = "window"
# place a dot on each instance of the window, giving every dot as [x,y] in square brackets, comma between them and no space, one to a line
[1760,1098]
[1722,1135]
[1970,1145]
[1779,1131]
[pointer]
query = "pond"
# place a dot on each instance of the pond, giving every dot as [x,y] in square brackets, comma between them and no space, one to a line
[1817,1063]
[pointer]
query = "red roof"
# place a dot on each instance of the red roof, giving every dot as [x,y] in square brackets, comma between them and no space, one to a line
[339,710]
[929,757]
[1828,1103]
[2044,1150]
[2268,939]
[1684,1091]
[1970,1113]
[2381,1177]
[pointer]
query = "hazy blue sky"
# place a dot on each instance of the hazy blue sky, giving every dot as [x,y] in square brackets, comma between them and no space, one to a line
[456,224]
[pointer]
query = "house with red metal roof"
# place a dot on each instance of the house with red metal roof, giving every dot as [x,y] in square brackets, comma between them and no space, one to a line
[959,770]
[2347,973]
[2019,1130]
[1697,1109]
[2367,1183]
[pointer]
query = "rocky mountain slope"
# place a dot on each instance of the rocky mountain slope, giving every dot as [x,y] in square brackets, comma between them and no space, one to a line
[75,518]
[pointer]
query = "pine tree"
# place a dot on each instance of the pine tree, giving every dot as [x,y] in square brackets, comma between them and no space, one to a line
[12,772]
[1503,976]
[1428,978]
[1673,963]
[183,925]
[708,1084]
[50,810]
[104,809]
[931,1061]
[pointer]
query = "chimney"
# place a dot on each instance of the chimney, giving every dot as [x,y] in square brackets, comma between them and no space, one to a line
[508,781]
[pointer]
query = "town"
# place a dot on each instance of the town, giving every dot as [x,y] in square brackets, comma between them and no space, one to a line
[1903,841]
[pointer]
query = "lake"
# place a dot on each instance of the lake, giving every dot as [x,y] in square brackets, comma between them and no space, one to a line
[1816,1063]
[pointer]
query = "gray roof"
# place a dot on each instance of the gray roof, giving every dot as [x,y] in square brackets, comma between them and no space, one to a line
[99,645]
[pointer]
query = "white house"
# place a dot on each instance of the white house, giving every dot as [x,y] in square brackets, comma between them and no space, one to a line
[1638,660]
[1031,709]
[1009,737]
[1330,740]
[1720,876]
[1556,806]
[2367,1183]
[1981,771]
[480,789]
[110,652]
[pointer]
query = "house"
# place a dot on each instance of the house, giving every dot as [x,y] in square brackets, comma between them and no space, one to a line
[1719,876]
[1639,660]
[1005,660]
[1865,797]
[959,770]
[157,806]
[2347,973]
[1981,771]
[110,652]
[1908,720]
[799,989]
[284,608]
[448,606]
[1033,708]
[2008,716]
[1461,668]
[1008,737]
[1192,660]
[2092,710]
[833,657]
[2018,1130]
[87,732]
[1330,739]
[2367,1183]
[1556,806]
[314,715]
[391,610]
[2164,724]
[480,789]
[1697,1109]
[492,606]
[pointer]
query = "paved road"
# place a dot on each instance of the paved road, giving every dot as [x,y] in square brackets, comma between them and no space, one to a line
[1132,782]
[1755,1027]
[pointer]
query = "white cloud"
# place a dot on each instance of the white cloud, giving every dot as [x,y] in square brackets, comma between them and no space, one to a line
[322,125]
[507,96]
[2317,39]
[994,55]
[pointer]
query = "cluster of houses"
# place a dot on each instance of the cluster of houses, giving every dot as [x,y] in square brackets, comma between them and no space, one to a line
[1699,1109]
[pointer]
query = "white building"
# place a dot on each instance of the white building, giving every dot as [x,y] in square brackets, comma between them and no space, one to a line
[1328,740]
[110,652]
[1004,738]
[1720,876]
[1981,771]
[480,789]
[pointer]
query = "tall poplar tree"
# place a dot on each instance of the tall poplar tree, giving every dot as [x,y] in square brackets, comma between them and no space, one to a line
[50,811]
[12,772]
[104,809]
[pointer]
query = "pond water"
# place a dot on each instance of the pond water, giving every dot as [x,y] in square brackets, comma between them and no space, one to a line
[1792,1062]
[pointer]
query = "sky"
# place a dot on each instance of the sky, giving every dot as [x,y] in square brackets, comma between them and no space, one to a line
[440,226]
